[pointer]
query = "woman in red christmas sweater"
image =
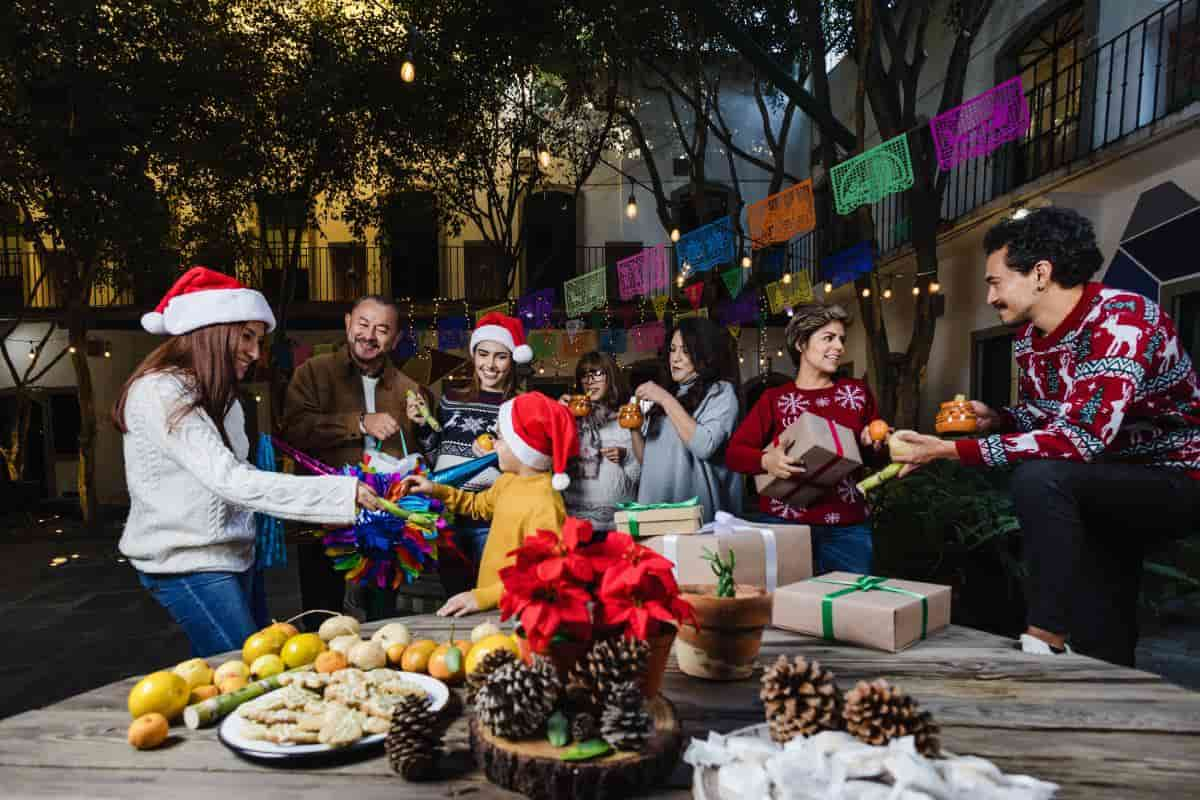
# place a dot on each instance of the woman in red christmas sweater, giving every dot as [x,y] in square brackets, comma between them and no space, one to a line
[816,341]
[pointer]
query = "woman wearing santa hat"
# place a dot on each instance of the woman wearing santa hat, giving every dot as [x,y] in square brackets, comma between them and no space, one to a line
[193,494]
[535,441]
[497,345]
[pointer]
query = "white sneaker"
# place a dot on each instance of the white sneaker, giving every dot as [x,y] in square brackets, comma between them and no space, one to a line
[1034,645]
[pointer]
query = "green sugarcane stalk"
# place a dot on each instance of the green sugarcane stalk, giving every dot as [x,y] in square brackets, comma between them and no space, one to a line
[879,478]
[210,711]
[430,420]
[723,570]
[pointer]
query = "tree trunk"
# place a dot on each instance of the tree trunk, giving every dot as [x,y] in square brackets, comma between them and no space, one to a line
[77,325]
[15,455]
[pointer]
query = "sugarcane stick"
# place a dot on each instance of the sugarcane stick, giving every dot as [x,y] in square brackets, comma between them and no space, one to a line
[210,711]
[875,480]
[430,420]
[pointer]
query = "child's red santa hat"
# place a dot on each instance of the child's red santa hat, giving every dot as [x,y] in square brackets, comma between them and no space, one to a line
[541,433]
[203,297]
[508,331]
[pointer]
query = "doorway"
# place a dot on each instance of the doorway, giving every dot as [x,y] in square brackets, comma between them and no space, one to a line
[550,244]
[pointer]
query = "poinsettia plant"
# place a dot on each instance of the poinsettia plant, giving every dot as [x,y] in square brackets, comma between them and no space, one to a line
[567,587]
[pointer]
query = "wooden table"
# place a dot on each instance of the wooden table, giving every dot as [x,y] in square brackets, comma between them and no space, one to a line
[1097,729]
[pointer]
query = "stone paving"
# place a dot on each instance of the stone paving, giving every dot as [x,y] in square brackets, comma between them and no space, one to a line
[73,616]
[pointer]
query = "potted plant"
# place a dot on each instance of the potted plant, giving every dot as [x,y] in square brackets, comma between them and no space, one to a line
[567,591]
[723,643]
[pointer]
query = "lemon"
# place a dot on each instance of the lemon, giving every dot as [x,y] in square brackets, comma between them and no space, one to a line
[163,692]
[266,641]
[484,630]
[195,671]
[231,669]
[302,649]
[266,666]
[497,641]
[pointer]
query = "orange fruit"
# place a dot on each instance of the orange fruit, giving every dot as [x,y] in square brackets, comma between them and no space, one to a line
[202,693]
[416,655]
[286,628]
[395,654]
[446,664]
[878,429]
[485,442]
[330,661]
[148,731]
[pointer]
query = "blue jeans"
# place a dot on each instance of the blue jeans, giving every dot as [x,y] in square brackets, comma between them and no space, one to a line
[836,548]
[215,609]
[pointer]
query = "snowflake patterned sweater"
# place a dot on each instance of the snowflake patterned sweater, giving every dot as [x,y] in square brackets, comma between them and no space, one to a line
[848,402]
[462,421]
[1111,383]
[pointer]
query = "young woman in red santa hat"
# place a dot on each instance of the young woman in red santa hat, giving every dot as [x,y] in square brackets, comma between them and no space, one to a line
[536,439]
[193,494]
[497,346]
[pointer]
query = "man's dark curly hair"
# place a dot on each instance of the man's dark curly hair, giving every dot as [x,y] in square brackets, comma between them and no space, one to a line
[1062,236]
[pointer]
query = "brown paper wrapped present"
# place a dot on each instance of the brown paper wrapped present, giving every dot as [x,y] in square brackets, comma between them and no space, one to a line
[657,519]
[767,555]
[875,612]
[828,451]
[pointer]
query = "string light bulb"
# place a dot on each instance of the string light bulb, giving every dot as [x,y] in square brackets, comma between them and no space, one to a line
[107,352]
[741,359]
[779,353]
[789,312]
[680,279]
[544,158]
[631,208]
[675,234]
[746,262]
[71,349]
[828,287]
[866,292]
[934,287]
[887,293]
[787,277]
[408,70]
[916,290]
[32,352]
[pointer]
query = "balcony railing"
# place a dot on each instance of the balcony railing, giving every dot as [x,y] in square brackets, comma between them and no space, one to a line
[1139,77]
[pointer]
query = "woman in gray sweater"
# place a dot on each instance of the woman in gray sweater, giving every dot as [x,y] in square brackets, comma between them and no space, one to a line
[687,429]
[606,471]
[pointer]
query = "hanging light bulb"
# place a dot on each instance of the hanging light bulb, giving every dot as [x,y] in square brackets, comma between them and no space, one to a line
[787,277]
[779,353]
[741,359]
[631,206]
[675,234]
[887,293]
[541,370]
[680,279]
[934,287]
[866,292]
[544,158]
[258,398]
[408,70]
[916,290]
[32,352]
[828,287]
[746,262]
[107,352]
[789,312]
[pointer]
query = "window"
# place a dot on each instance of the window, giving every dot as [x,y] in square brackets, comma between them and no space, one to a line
[280,220]
[550,253]
[409,239]
[486,276]
[1052,74]
[992,367]
[12,287]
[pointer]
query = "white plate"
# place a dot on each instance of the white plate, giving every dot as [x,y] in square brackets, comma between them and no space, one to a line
[232,735]
[704,779]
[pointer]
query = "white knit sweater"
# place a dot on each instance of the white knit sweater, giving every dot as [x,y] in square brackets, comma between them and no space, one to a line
[192,500]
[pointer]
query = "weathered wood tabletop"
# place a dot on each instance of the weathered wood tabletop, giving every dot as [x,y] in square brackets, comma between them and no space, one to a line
[1096,729]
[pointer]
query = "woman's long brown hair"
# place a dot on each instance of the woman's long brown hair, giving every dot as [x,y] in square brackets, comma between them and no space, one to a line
[204,360]
[617,392]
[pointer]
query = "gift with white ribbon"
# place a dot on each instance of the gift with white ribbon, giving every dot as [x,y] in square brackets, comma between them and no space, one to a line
[769,556]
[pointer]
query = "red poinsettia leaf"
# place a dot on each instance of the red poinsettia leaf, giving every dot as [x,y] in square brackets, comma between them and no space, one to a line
[576,532]
[580,568]
[639,622]
[551,570]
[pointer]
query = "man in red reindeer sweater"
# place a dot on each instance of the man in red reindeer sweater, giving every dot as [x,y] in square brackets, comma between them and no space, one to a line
[1105,437]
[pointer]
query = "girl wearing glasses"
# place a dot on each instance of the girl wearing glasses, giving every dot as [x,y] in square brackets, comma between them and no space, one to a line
[606,472]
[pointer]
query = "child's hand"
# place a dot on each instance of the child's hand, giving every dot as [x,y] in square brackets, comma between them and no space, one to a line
[413,407]
[614,454]
[459,605]
[416,483]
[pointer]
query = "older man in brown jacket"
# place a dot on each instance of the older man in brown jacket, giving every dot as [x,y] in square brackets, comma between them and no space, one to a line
[343,405]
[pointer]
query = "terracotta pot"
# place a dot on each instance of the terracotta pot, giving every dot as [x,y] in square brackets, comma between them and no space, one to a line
[726,641]
[563,655]
[656,664]
[630,416]
[580,405]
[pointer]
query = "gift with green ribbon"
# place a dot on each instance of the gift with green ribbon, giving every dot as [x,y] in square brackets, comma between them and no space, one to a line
[878,612]
[657,519]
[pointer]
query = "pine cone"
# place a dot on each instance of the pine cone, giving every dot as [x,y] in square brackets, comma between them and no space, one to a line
[584,727]
[878,712]
[518,698]
[487,665]
[414,740]
[625,724]
[609,663]
[800,698]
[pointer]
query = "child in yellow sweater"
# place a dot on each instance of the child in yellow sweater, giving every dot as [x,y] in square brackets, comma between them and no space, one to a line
[536,435]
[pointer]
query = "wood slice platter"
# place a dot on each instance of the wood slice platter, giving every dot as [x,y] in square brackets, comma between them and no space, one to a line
[534,767]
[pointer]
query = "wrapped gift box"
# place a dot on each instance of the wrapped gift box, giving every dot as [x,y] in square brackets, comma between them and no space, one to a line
[767,555]
[876,612]
[828,451]
[659,518]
